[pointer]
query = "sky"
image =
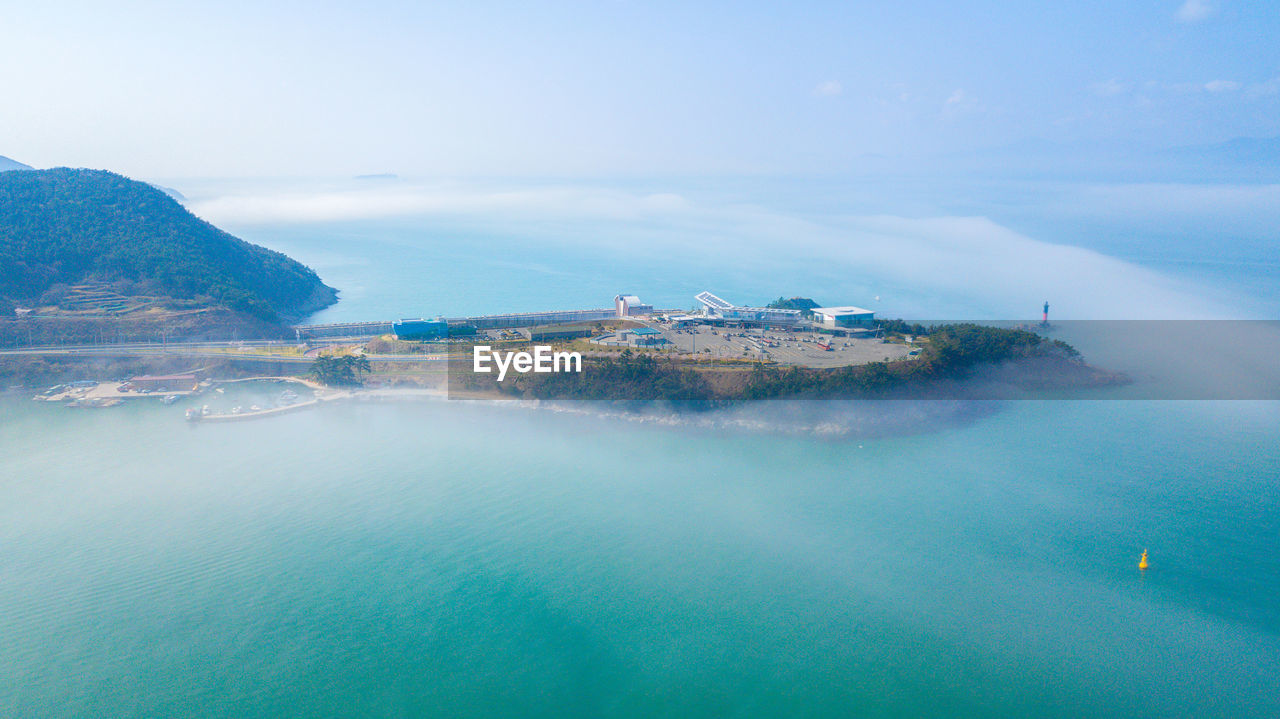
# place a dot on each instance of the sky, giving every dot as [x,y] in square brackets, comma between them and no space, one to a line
[1120,158]
[620,88]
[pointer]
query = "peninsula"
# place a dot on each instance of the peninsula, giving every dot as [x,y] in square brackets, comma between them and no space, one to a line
[97,269]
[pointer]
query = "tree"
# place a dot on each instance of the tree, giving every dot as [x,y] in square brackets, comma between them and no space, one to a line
[341,371]
[359,363]
[804,304]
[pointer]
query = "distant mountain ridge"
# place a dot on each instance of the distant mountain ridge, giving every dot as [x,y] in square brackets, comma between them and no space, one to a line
[170,192]
[7,164]
[64,226]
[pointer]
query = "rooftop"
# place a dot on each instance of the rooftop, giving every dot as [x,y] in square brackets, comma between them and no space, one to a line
[847,310]
[713,302]
[765,309]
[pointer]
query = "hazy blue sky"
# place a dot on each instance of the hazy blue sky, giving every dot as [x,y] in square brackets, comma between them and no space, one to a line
[174,89]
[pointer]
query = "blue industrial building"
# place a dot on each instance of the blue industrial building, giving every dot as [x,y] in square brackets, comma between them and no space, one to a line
[420,329]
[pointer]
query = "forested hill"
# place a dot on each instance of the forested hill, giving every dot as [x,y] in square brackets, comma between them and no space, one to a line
[65,226]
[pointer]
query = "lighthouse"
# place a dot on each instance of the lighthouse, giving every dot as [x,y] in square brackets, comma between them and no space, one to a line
[1045,321]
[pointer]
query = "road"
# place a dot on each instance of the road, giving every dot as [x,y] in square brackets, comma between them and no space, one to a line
[792,349]
[239,350]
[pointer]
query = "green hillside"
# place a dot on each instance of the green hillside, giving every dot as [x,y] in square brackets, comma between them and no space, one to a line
[65,227]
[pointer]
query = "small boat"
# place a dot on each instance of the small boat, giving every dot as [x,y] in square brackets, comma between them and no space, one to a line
[235,410]
[220,390]
[192,415]
[254,408]
[170,399]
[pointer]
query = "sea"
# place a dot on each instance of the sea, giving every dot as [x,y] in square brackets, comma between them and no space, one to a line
[499,559]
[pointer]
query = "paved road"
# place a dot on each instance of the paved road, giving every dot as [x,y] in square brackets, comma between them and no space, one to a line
[791,349]
[204,350]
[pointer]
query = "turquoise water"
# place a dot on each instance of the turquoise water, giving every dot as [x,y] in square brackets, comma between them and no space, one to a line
[442,269]
[458,559]
[452,559]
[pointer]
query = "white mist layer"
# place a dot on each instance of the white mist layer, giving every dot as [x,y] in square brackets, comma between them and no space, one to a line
[977,267]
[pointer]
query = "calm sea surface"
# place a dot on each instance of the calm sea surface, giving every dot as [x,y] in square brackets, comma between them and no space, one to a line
[408,559]
[451,559]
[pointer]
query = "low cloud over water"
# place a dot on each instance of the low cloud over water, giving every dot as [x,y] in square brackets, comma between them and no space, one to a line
[966,265]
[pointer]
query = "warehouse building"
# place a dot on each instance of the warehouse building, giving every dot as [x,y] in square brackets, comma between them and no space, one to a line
[343,330]
[527,319]
[546,334]
[164,383]
[633,337]
[642,337]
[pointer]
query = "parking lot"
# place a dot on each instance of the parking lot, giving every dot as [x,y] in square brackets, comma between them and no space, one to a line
[799,348]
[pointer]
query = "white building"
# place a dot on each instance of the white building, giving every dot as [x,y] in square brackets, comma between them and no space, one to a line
[854,317]
[630,305]
[726,310]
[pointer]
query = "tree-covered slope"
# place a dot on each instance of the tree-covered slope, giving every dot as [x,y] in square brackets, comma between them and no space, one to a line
[66,226]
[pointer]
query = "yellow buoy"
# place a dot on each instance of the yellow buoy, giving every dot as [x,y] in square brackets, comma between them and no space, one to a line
[1142,563]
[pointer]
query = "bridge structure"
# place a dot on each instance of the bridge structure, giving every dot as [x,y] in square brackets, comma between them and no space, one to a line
[343,329]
